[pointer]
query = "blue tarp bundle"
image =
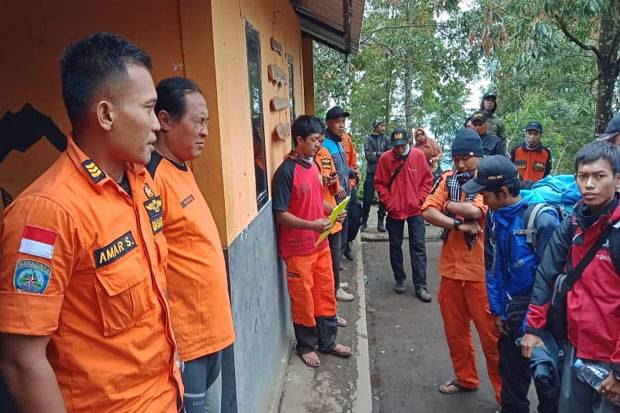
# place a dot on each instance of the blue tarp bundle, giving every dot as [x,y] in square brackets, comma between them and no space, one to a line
[560,190]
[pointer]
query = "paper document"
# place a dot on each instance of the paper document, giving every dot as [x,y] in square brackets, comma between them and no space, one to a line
[333,217]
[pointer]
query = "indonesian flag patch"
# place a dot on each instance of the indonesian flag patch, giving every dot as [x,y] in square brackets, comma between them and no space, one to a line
[38,242]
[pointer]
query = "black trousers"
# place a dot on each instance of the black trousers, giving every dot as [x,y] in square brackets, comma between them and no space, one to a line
[335,250]
[322,336]
[417,249]
[369,194]
[516,375]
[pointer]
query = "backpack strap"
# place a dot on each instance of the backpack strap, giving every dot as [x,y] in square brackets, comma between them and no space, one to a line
[530,217]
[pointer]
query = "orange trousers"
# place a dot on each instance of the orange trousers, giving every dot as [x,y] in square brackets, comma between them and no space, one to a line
[310,280]
[460,303]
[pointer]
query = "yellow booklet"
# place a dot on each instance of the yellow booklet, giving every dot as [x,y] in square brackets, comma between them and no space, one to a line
[333,217]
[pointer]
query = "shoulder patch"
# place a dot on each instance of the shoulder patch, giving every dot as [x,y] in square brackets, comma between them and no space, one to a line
[96,174]
[115,250]
[31,276]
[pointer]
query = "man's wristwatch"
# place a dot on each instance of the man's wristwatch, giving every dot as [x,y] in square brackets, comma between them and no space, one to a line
[457,223]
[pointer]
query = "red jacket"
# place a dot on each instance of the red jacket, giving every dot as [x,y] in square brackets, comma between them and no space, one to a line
[409,189]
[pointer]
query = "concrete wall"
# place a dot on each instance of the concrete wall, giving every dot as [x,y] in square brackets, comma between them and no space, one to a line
[262,317]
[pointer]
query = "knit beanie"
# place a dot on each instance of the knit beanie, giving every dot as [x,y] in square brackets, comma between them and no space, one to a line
[467,143]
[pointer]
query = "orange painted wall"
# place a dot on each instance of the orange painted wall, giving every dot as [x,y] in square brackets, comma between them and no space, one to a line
[271,18]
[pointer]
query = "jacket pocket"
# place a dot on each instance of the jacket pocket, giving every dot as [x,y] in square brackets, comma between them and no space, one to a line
[124,295]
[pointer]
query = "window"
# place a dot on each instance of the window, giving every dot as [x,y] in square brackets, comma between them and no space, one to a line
[291,88]
[252,43]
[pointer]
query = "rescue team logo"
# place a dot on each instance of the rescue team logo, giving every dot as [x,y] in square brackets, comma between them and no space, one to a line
[153,208]
[188,200]
[38,242]
[148,191]
[93,170]
[31,276]
[539,166]
[115,249]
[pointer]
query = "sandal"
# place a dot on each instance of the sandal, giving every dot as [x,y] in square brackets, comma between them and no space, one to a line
[310,359]
[453,387]
[340,351]
[341,322]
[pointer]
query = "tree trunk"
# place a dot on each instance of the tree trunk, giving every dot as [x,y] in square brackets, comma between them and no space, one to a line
[408,78]
[607,67]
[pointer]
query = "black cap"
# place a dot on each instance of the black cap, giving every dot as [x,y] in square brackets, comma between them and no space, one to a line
[377,123]
[493,172]
[467,143]
[399,136]
[336,112]
[490,95]
[613,128]
[534,126]
[479,115]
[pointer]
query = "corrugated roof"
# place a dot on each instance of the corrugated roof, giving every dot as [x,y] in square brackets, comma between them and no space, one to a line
[337,23]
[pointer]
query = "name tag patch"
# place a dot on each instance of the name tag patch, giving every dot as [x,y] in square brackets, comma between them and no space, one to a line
[188,200]
[115,250]
[31,276]
[154,210]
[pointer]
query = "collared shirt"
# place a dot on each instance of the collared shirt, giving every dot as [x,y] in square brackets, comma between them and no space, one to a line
[84,262]
[196,277]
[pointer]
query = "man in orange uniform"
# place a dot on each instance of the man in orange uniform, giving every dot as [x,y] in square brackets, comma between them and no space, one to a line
[462,292]
[354,217]
[300,213]
[82,308]
[331,188]
[532,159]
[197,283]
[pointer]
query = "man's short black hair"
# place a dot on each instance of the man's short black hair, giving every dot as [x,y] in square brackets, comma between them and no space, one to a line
[596,150]
[306,125]
[88,63]
[514,189]
[171,94]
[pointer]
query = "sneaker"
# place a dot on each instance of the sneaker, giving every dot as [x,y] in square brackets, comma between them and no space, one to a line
[344,284]
[423,295]
[380,228]
[342,295]
[399,287]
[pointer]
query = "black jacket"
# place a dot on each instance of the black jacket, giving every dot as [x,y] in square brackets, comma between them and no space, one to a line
[492,145]
[374,146]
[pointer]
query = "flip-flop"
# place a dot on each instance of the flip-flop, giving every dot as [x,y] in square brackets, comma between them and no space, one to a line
[453,387]
[309,361]
[340,353]
[341,322]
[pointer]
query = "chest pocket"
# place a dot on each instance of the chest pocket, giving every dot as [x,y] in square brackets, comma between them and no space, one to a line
[123,292]
[539,166]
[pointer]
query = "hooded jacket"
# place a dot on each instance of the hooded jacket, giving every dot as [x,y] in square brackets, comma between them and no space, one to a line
[593,304]
[495,124]
[430,147]
[404,197]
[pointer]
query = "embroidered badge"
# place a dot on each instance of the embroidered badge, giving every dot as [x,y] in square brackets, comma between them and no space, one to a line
[115,250]
[38,242]
[188,200]
[154,210]
[93,170]
[31,276]
[148,191]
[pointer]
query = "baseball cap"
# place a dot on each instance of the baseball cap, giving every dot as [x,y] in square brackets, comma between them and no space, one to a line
[534,126]
[493,172]
[336,112]
[489,95]
[378,122]
[478,116]
[399,136]
[613,128]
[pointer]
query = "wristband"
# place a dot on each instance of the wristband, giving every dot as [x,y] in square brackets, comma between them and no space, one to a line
[457,223]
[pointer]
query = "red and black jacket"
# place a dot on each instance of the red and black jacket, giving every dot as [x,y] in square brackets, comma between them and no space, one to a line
[593,304]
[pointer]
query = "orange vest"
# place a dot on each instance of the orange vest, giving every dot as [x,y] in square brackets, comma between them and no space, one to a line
[324,161]
[532,165]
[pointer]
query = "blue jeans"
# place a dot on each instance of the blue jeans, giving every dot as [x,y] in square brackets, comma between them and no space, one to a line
[202,378]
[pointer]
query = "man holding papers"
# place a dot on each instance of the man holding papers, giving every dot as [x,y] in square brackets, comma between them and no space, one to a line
[403,180]
[301,215]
